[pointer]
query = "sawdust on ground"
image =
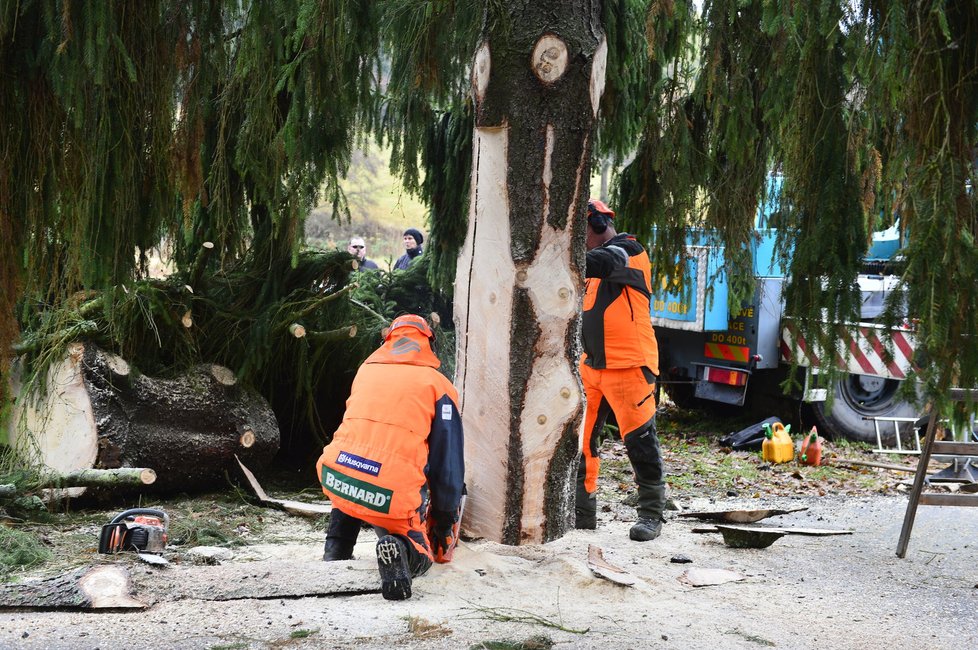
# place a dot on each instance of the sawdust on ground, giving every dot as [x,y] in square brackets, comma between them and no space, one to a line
[802,592]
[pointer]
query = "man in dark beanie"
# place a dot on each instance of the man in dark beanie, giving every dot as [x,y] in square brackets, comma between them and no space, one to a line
[412,246]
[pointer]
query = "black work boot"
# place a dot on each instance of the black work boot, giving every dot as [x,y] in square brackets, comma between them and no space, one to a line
[645,530]
[586,510]
[651,500]
[337,549]
[341,536]
[395,576]
[643,452]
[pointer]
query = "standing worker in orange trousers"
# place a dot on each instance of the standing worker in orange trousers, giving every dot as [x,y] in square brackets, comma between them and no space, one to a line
[396,462]
[618,369]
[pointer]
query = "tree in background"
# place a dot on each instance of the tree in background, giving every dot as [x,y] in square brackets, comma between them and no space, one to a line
[214,126]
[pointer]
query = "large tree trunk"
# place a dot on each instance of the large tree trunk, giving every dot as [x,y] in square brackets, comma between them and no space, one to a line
[536,82]
[97,413]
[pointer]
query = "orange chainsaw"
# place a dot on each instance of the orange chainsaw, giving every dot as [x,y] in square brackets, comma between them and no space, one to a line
[142,530]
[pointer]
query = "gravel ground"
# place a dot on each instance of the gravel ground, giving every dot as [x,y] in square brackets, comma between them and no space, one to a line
[843,592]
[803,592]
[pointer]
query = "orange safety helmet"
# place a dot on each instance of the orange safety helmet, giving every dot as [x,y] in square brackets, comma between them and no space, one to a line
[410,320]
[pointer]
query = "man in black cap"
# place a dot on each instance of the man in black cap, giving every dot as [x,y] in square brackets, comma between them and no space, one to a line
[412,246]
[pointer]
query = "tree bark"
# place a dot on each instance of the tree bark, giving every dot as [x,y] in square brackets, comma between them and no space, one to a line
[100,587]
[97,414]
[537,78]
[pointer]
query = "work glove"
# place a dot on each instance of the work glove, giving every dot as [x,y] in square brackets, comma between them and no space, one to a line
[443,535]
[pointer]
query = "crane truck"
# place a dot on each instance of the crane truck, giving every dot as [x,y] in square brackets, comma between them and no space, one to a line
[709,353]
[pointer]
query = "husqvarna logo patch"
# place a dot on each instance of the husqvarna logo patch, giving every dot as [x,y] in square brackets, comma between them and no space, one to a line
[359,463]
[405,346]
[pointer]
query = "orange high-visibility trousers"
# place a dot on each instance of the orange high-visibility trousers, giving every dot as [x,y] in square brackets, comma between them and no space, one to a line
[628,392]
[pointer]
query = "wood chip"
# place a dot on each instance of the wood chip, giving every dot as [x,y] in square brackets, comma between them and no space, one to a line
[709,577]
[606,570]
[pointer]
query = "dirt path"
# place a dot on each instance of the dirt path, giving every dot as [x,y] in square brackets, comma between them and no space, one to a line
[802,592]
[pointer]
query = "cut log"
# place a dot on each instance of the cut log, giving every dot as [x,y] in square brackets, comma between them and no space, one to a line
[97,415]
[100,587]
[519,282]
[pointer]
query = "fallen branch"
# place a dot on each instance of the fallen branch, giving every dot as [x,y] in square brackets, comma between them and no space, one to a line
[80,330]
[512,615]
[319,302]
[370,311]
[102,478]
[339,334]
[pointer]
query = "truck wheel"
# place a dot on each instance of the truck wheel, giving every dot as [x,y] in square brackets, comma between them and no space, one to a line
[858,399]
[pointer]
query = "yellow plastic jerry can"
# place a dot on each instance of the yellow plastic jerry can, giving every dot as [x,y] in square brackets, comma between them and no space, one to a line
[777,446]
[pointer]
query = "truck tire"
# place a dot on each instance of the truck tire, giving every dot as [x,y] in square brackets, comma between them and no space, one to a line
[858,399]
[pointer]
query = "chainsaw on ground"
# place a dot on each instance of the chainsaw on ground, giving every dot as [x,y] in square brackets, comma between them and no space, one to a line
[142,530]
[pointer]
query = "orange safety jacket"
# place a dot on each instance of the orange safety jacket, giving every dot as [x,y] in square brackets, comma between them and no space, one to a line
[617,326]
[400,442]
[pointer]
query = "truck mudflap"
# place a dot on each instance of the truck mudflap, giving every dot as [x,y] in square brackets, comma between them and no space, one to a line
[869,349]
[721,384]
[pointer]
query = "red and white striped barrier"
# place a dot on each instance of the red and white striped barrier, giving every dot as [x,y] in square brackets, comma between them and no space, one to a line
[862,349]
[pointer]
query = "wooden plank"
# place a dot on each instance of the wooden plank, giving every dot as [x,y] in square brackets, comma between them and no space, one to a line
[739,516]
[964,394]
[961,500]
[918,485]
[815,532]
[299,508]
[955,448]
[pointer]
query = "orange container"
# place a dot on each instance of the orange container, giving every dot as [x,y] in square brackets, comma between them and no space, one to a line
[777,446]
[811,449]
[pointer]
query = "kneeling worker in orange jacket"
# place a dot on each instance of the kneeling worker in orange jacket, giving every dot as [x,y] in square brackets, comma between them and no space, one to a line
[395,462]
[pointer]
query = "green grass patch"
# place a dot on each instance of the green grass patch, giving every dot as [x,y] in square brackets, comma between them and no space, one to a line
[220,519]
[20,550]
